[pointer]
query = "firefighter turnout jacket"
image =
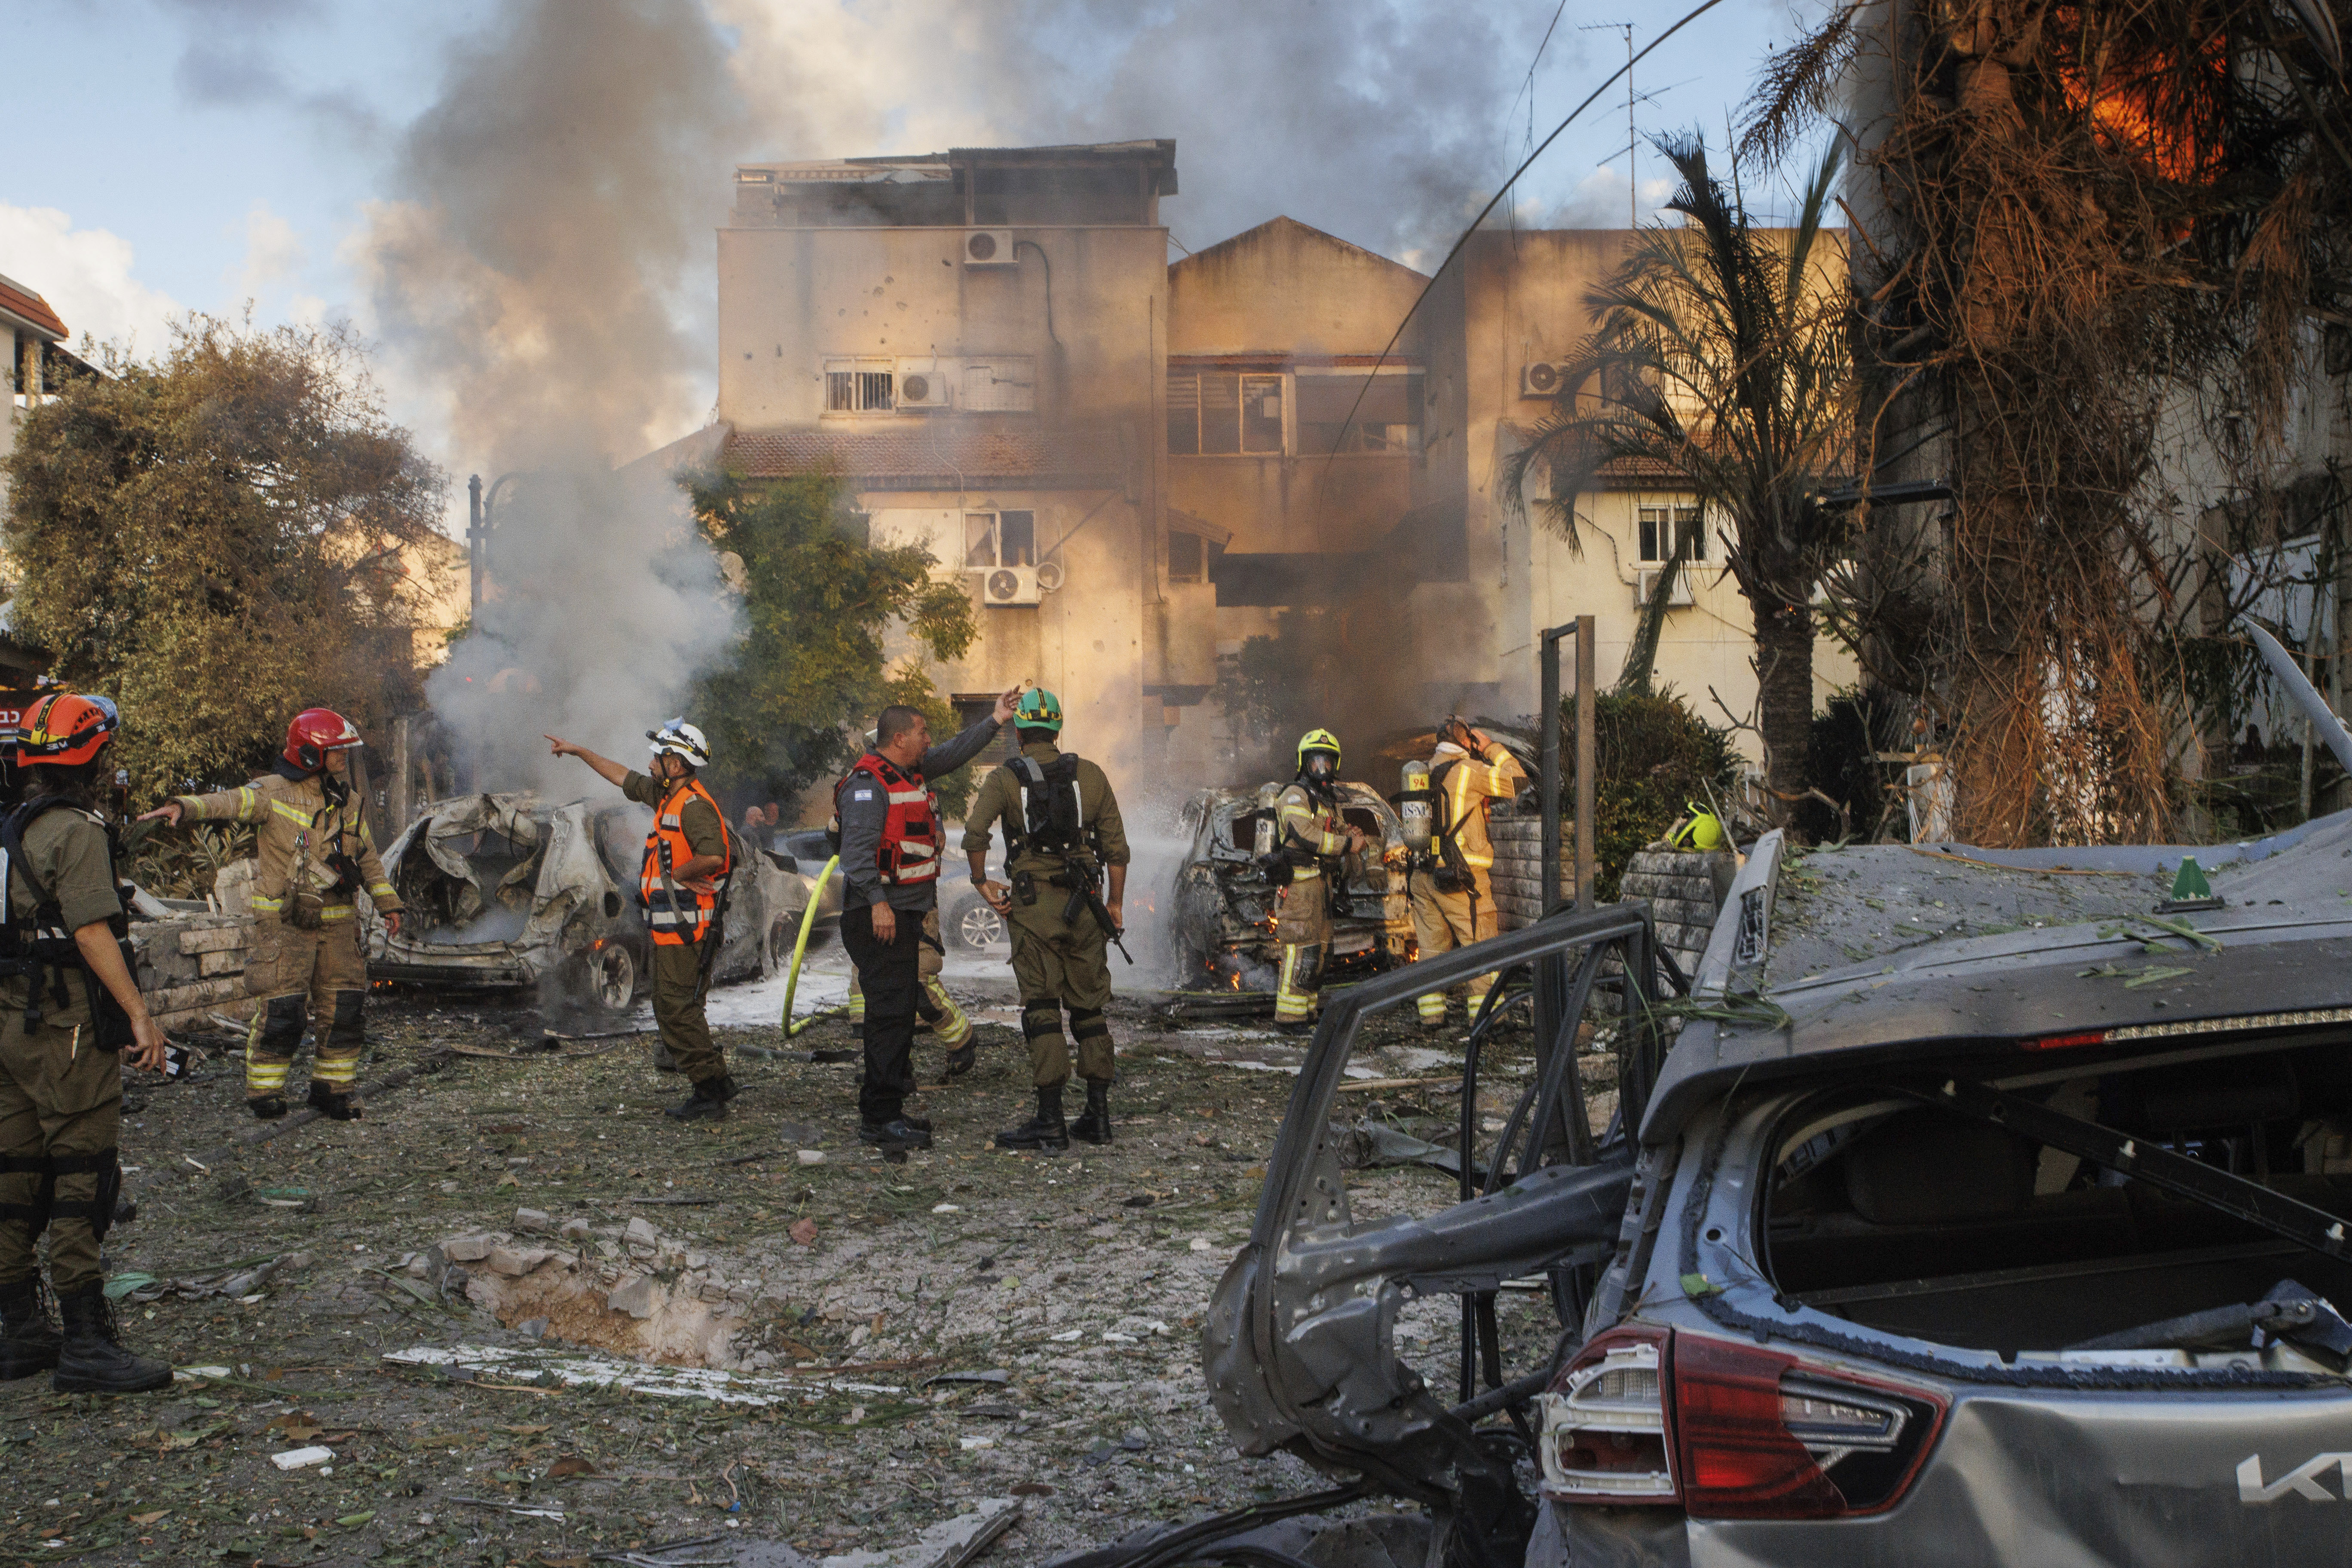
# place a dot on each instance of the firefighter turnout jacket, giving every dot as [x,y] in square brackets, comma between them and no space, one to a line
[314,852]
[1308,831]
[1470,786]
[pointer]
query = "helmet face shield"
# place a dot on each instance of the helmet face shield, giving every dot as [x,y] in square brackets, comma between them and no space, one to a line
[1320,765]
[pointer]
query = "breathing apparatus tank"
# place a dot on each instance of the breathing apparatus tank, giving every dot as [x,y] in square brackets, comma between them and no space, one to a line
[1269,801]
[1414,807]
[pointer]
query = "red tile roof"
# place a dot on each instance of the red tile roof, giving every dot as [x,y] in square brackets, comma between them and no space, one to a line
[30,307]
[935,456]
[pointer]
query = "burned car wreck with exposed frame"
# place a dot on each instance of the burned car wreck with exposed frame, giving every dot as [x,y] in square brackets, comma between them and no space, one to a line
[507,891]
[1969,1207]
[1224,905]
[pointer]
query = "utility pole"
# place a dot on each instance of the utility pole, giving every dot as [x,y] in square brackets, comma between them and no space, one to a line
[1633,137]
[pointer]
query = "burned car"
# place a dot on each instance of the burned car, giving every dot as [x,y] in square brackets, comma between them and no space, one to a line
[1224,906]
[508,891]
[1988,1208]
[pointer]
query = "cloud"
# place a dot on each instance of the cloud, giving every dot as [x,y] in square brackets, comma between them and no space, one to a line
[85,275]
[273,250]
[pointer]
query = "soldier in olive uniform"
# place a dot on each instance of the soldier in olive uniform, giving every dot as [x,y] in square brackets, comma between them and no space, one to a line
[1062,837]
[70,1016]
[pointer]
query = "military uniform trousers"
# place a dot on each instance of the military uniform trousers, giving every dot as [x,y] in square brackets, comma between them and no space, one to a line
[318,976]
[679,1015]
[60,1120]
[1062,963]
[1302,924]
[933,1003]
[1444,921]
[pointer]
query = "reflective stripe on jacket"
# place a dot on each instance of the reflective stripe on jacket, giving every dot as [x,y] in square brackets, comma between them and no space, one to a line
[1470,787]
[1308,831]
[911,835]
[679,916]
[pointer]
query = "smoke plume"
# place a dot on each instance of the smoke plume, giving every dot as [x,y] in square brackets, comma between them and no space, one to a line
[543,279]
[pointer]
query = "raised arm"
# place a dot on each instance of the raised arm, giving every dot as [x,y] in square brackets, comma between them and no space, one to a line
[610,771]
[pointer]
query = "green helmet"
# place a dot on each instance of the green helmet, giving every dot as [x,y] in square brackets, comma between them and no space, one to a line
[1038,709]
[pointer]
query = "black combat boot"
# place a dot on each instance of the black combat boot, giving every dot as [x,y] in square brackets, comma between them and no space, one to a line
[708,1102]
[92,1359]
[1094,1126]
[328,1101]
[267,1106]
[899,1133]
[1043,1132]
[28,1340]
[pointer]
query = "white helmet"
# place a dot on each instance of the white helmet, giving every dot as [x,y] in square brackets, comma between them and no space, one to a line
[681,740]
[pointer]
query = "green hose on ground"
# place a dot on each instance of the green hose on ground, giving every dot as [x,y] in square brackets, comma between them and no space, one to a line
[800,951]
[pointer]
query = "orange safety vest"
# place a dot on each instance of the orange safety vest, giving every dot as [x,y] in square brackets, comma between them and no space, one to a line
[680,917]
[909,851]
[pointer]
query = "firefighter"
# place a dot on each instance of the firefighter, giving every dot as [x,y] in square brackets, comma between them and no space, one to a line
[1454,889]
[315,856]
[1314,857]
[886,823]
[70,1017]
[683,880]
[1065,853]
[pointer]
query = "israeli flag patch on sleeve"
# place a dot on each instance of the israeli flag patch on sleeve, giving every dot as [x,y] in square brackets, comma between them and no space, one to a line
[862,795]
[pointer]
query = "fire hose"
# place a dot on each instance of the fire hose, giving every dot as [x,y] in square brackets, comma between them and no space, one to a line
[799,950]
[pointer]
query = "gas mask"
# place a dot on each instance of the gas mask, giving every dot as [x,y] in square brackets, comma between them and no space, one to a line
[1322,767]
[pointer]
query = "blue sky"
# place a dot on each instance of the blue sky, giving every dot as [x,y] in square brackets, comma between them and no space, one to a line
[197,153]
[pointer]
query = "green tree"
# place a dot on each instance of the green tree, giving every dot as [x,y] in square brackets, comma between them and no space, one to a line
[819,604]
[1722,356]
[214,538]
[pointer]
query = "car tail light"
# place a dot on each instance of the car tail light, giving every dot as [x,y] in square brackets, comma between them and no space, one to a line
[1728,1430]
[1604,1423]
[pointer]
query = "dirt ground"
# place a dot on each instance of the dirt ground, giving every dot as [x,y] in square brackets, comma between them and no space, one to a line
[1081,1278]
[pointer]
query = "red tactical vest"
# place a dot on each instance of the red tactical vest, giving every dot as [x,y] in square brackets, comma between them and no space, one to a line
[679,916]
[910,834]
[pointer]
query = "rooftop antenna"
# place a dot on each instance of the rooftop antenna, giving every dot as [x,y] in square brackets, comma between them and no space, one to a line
[1632,140]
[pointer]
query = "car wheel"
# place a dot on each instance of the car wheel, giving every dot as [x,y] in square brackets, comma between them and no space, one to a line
[615,978]
[978,927]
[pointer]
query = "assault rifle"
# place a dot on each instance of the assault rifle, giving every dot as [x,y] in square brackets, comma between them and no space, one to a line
[1085,895]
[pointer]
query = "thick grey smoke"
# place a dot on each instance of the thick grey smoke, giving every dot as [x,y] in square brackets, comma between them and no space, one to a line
[539,277]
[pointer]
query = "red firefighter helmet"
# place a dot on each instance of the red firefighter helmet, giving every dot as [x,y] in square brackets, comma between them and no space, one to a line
[65,728]
[316,732]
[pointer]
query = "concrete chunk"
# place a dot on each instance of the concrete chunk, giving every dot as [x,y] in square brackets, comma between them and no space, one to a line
[641,1233]
[516,1261]
[636,1295]
[576,1230]
[532,1219]
[467,1248]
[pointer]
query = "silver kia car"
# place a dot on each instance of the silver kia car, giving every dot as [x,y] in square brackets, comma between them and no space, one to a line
[1967,1207]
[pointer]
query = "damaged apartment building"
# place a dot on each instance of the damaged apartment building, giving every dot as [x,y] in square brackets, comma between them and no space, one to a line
[1136,465]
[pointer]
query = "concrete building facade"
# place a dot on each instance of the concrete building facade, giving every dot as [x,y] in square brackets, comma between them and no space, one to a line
[1137,467]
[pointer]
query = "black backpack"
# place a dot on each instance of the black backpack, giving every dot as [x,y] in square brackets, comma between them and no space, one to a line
[35,944]
[1053,820]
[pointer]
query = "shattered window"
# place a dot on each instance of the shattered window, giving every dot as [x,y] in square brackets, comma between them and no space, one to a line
[1221,406]
[1386,412]
[1663,527]
[1261,398]
[1185,562]
[1017,539]
[1184,411]
[979,539]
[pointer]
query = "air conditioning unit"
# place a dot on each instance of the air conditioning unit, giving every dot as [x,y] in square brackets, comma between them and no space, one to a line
[923,382]
[1645,582]
[1543,378]
[988,248]
[1005,586]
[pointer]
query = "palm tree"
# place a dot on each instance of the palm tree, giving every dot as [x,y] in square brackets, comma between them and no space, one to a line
[1722,355]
